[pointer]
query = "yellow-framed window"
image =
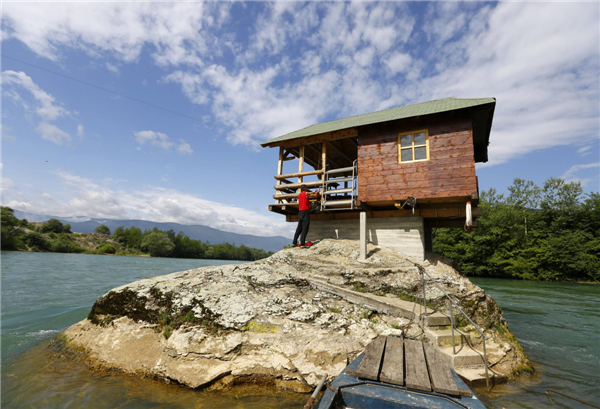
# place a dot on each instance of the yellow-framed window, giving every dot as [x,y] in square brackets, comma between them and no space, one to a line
[413,146]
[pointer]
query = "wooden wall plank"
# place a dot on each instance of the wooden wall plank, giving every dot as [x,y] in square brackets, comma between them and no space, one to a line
[392,369]
[449,172]
[416,368]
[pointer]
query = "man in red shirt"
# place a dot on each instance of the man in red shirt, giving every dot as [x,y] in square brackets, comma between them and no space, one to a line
[303,217]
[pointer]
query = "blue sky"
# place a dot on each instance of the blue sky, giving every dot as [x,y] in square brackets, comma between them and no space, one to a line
[251,71]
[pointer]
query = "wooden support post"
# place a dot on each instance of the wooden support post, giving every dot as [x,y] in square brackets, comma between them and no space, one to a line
[280,167]
[301,165]
[363,236]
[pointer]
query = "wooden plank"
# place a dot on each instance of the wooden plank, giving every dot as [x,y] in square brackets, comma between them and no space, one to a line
[392,369]
[371,362]
[280,167]
[309,140]
[416,368]
[300,167]
[295,175]
[442,380]
[297,185]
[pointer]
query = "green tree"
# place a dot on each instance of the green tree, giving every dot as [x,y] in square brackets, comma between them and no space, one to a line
[8,217]
[8,239]
[52,226]
[157,244]
[66,228]
[102,229]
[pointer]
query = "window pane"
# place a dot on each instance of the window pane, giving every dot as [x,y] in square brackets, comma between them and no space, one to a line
[406,155]
[420,138]
[420,153]
[406,141]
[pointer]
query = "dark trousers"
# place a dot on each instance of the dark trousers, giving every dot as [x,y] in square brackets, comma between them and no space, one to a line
[303,224]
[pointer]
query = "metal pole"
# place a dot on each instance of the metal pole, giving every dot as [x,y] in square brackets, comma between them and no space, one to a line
[487,377]
[315,393]
[452,326]
[424,297]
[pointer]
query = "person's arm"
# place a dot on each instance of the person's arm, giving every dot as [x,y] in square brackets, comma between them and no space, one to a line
[313,194]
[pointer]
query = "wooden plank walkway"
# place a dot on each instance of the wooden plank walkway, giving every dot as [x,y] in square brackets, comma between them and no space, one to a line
[407,362]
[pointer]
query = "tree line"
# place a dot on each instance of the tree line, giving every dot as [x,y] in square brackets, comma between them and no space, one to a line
[53,236]
[534,233]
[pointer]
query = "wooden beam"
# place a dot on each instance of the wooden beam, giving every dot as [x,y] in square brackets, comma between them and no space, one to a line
[280,167]
[297,185]
[309,140]
[300,167]
[295,175]
[286,196]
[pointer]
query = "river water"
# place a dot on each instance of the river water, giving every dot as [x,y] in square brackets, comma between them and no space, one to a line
[558,325]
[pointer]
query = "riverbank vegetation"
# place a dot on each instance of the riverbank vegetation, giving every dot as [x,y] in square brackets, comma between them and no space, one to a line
[53,236]
[535,233]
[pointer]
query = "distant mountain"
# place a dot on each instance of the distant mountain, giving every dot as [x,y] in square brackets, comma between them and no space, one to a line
[196,232]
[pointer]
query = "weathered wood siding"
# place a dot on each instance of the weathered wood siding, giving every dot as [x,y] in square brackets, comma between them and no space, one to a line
[450,172]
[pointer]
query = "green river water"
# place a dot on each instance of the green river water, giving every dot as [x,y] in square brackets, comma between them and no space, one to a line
[557,324]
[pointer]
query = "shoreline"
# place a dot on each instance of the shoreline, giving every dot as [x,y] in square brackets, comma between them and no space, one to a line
[249,261]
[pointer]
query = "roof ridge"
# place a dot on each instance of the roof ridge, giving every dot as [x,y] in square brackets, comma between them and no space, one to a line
[370,113]
[384,115]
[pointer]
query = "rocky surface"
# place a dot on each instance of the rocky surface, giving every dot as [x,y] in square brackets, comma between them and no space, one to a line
[263,322]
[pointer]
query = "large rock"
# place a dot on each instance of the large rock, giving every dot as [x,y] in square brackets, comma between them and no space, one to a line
[263,321]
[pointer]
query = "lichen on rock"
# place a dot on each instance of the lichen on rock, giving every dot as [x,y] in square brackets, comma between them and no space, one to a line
[224,325]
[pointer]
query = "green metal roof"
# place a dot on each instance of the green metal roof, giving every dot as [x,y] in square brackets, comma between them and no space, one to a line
[408,111]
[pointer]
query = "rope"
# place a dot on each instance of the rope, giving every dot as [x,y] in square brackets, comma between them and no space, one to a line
[570,397]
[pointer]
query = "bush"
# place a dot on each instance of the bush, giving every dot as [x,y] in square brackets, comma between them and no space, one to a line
[35,240]
[52,226]
[102,229]
[106,249]
[8,240]
[63,245]
[66,228]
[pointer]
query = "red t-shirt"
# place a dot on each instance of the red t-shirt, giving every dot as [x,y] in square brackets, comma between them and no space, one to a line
[303,201]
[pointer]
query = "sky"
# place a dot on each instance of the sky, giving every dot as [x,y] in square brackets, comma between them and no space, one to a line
[216,79]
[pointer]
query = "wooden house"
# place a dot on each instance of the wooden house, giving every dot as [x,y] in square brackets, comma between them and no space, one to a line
[392,175]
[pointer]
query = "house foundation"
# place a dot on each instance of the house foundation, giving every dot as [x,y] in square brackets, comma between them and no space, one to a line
[404,235]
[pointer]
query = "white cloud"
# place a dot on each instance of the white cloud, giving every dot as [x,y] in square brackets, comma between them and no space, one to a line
[84,197]
[175,30]
[585,150]
[112,68]
[80,131]
[184,148]
[46,109]
[53,134]
[7,184]
[154,138]
[570,174]
[399,62]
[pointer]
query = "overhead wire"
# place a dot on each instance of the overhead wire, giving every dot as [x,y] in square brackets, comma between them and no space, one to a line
[122,95]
